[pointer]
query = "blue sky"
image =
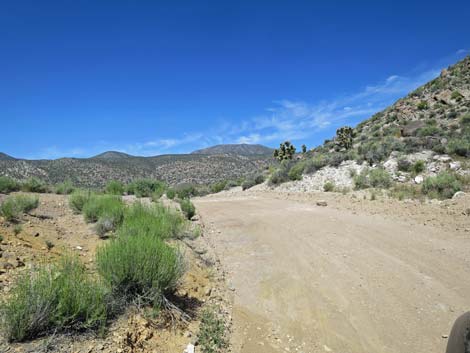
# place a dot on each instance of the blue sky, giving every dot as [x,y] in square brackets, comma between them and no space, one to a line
[153,77]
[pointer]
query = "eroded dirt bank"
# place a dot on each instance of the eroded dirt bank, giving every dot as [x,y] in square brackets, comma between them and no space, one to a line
[356,276]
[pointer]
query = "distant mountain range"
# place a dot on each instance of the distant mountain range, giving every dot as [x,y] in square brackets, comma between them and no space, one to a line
[222,162]
[241,149]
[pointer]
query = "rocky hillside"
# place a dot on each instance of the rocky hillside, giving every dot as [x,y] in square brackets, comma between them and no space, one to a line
[421,135]
[174,169]
[241,149]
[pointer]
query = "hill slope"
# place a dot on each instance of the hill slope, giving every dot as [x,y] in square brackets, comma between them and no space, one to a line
[174,169]
[5,157]
[431,126]
[241,149]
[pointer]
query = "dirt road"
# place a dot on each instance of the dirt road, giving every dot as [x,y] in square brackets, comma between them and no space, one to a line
[317,279]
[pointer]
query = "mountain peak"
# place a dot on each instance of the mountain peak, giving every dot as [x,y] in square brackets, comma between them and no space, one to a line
[112,155]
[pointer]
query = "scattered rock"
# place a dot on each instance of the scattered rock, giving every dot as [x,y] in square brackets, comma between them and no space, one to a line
[189,348]
[458,195]
[419,179]
[322,203]
[445,336]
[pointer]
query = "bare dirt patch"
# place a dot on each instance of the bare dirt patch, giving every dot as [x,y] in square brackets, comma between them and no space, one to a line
[355,276]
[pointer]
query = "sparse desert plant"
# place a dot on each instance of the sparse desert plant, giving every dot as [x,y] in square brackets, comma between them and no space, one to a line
[188,208]
[171,193]
[418,167]
[145,187]
[64,188]
[404,165]
[295,173]
[442,186]
[154,220]
[8,185]
[49,244]
[185,191]
[422,105]
[379,178]
[140,267]
[14,206]
[405,191]
[110,207]
[17,229]
[248,184]
[55,297]
[328,186]
[361,181]
[114,187]
[34,185]
[218,187]
[459,146]
[465,120]
[78,199]
[212,337]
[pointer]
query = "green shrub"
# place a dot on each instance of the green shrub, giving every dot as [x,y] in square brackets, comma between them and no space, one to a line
[465,120]
[212,337]
[404,165]
[8,185]
[418,167]
[295,173]
[185,191]
[171,193]
[459,146]
[78,199]
[114,187]
[14,206]
[422,105]
[140,267]
[281,174]
[218,187]
[329,186]
[188,208]
[108,207]
[376,178]
[64,188]
[380,178]
[405,191]
[429,130]
[155,220]
[145,187]
[247,184]
[55,297]
[443,186]
[456,95]
[34,185]
[17,229]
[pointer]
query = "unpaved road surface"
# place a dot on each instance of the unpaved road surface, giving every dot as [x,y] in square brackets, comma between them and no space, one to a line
[321,279]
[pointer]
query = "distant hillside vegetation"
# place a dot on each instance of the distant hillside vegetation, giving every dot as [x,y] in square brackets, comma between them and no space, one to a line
[241,149]
[5,157]
[174,169]
[112,155]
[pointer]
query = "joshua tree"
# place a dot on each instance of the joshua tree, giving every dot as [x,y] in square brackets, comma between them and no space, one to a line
[304,148]
[344,137]
[286,151]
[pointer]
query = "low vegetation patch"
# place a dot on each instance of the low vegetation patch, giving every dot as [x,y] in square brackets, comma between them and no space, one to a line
[78,199]
[54,297]
[140,267]
[329,186]
[212,337]
[64,188]
[153,220]
[442,186]
[34,185]
[145,187]
[372,178]
[109,208]
[15,206]
[114,187]
[188,208]
[8,185]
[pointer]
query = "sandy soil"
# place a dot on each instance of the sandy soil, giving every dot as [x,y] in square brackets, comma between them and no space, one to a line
[356,276]
[53,221]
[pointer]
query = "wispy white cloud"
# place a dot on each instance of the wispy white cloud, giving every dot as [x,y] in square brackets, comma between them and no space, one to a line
[284,119]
